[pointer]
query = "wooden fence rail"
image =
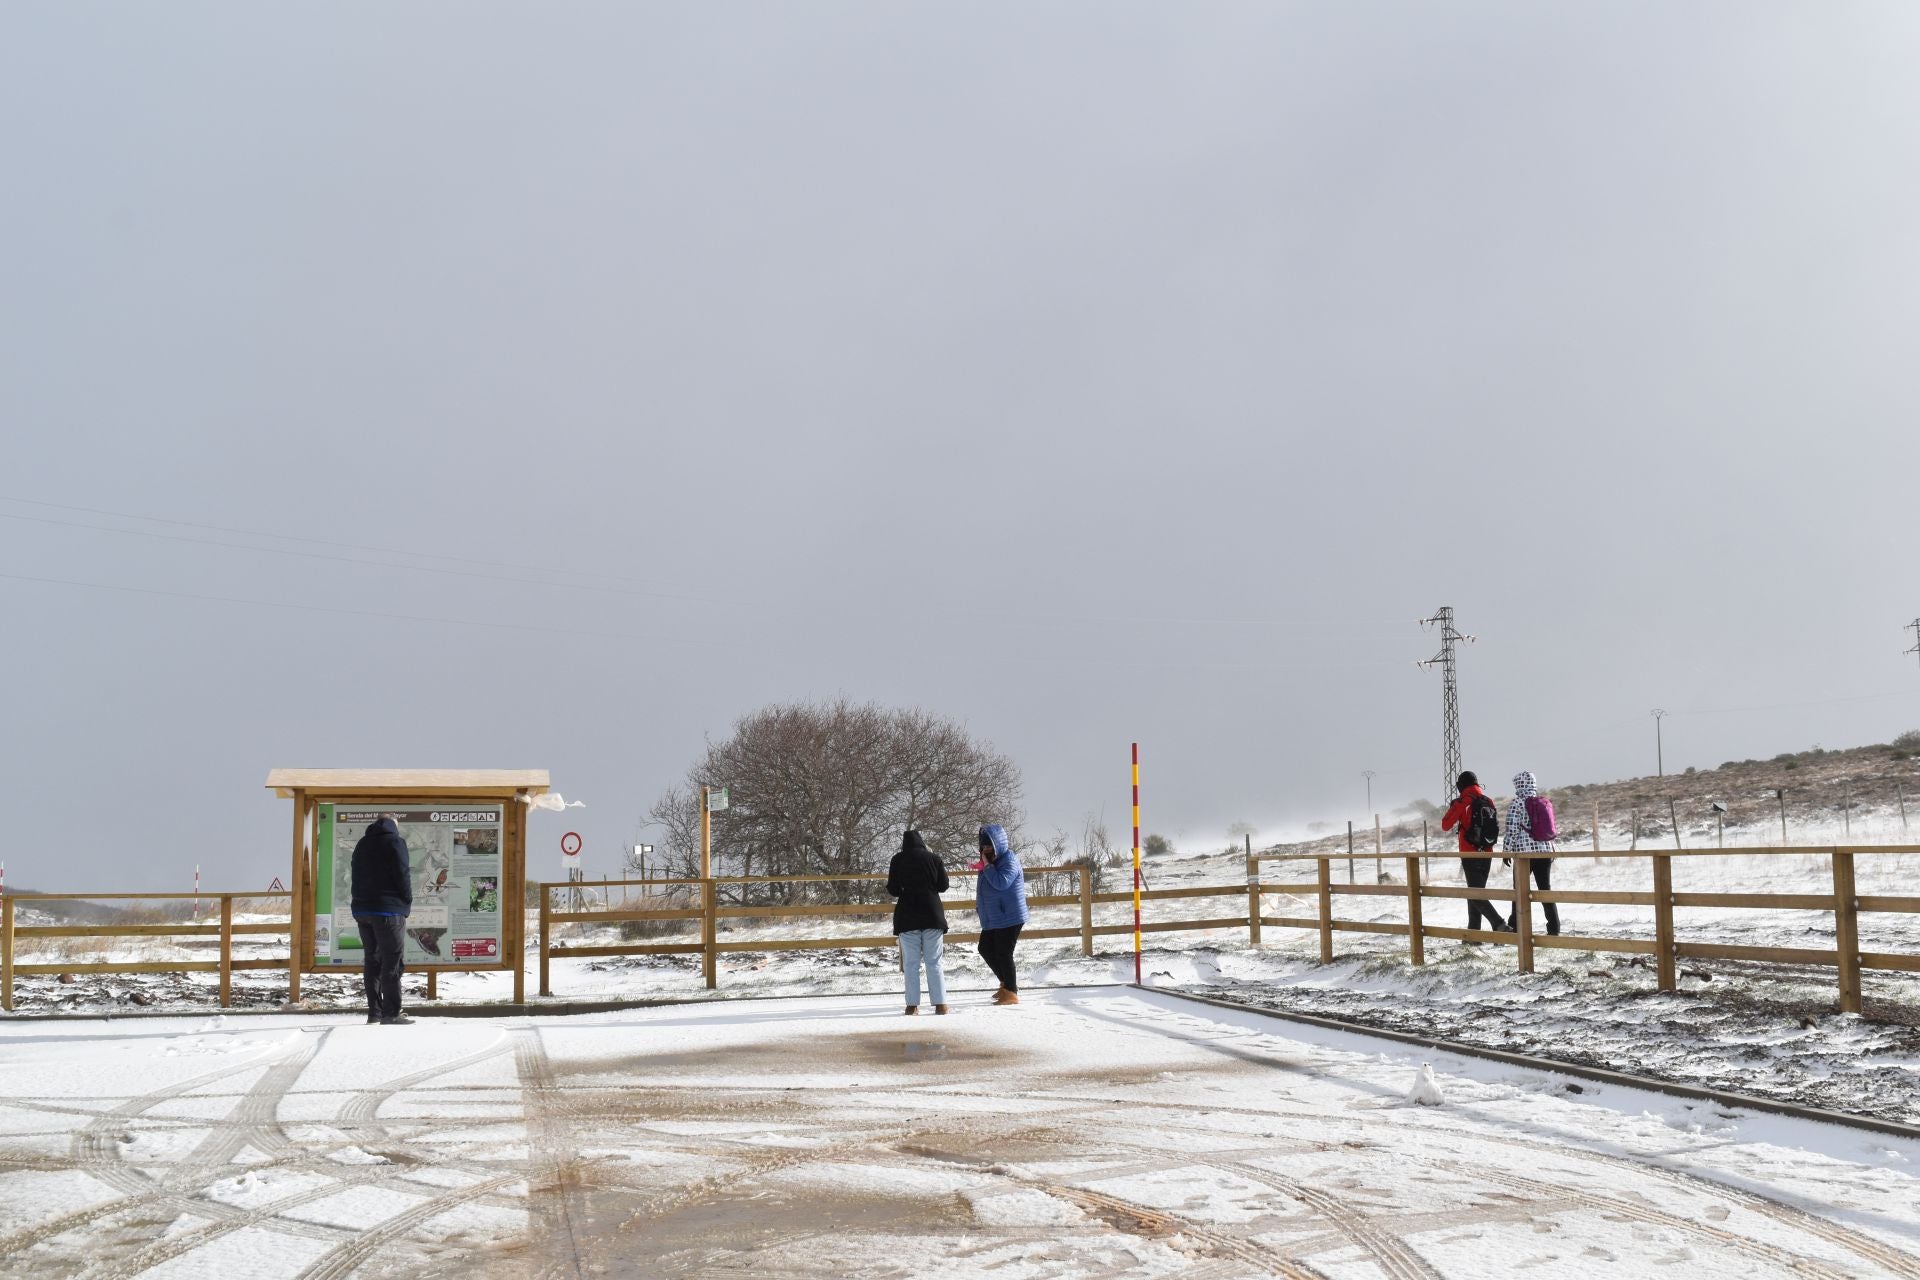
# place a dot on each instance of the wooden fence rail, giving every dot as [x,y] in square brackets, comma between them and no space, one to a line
[226,930]
[700,902]
[1666,947]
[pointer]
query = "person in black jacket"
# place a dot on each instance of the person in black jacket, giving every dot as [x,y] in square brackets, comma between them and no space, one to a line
[917,879]
[382,901]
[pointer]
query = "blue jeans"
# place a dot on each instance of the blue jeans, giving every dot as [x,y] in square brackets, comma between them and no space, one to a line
[918,946]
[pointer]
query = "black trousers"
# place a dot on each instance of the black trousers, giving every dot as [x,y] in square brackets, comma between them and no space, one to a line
[1476,869]
[996,948]
[1543,879]
[385,940]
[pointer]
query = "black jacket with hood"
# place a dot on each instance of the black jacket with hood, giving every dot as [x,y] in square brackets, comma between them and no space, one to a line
[382,874]
[917,879]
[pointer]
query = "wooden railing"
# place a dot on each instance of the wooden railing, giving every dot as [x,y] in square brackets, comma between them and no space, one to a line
[1665,946]
[705,902]
[225,930]
[705,905]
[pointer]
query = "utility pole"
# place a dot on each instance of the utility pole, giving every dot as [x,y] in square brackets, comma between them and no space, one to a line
[1368,775]
[1450,695]
[1914,627]
[1659,748]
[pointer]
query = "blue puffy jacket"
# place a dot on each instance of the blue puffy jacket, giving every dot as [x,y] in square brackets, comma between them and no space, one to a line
[1000,887]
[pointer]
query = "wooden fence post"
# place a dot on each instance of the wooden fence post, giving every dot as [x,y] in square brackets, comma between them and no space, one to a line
[1086,910]
[1663,920]
[1416,927]
[1379,851]
[1846,930]
[1253,899]
[226,950]
[6,952]
[1523,910]
[1596,826]
[433,983]
[1326,909]
[709,933]
[546,938]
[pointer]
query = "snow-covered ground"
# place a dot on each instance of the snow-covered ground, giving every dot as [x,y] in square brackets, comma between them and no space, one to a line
[1089,1132]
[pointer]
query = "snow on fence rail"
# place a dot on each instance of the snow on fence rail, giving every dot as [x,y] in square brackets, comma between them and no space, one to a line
[225,930]
[1844,902]
[704,905]
[690,900]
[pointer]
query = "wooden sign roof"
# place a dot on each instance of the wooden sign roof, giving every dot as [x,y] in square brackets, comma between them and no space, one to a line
[423,783]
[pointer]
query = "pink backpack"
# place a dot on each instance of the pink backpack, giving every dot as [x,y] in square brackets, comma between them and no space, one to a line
[1540,823]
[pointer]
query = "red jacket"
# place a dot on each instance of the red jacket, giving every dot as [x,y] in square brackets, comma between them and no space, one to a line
[1457,817]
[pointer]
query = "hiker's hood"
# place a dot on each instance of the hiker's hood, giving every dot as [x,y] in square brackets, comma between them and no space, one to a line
[997,834]
[1524,785]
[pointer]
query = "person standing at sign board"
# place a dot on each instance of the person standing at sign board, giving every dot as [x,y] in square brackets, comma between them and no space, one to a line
[382,900]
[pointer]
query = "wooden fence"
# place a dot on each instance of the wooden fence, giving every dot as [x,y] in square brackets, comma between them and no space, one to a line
[1665,946]
[225,930]
[705,905]
[702,901]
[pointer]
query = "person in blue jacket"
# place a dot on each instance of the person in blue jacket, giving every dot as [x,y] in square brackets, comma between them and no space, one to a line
[1000,897]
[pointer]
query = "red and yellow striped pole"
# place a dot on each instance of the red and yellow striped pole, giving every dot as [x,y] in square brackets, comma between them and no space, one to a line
[1136,864]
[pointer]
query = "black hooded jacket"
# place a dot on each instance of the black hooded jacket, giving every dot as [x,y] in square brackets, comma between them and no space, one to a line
[382,875]
[917,879]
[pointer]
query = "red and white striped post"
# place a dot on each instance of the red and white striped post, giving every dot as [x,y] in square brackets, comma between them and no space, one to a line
[1136,864]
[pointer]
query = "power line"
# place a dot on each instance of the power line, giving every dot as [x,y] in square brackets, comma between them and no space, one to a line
[753,641]
[372,564]
[294,537]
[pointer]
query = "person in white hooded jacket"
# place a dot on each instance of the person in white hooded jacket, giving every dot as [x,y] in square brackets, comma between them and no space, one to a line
[1519,839]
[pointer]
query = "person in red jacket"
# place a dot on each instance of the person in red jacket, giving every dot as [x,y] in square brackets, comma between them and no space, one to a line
[1478,841]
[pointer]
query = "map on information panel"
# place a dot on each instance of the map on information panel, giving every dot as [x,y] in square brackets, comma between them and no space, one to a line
[453,853]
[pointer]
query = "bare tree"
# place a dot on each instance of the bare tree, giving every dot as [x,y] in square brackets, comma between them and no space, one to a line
[827,788]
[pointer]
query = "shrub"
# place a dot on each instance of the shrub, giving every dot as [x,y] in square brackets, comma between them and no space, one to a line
[1908,741]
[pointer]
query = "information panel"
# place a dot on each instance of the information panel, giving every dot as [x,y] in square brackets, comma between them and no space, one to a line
[454,851]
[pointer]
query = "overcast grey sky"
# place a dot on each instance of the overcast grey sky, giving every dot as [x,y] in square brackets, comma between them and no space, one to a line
[1088,372]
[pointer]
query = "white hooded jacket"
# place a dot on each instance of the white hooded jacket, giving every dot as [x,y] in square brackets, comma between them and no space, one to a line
[1518,834]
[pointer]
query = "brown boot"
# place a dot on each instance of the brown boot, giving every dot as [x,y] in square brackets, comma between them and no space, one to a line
[1012,997]
[913,1008]
[939,1008]
[1000,996]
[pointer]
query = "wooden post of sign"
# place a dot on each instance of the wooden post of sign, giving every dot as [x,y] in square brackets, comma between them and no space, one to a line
[6,952]
[1416,927]
[709,934]
[1253,896]
[1663,920]
[1523,910]
[1846,930]
[433,984]
[546,936]
[1086,910]
[706,837]
[300,926]
[226,950]
[1326,908]
[514,813]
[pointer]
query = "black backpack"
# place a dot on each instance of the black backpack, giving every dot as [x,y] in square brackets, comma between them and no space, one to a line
[1482,827]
